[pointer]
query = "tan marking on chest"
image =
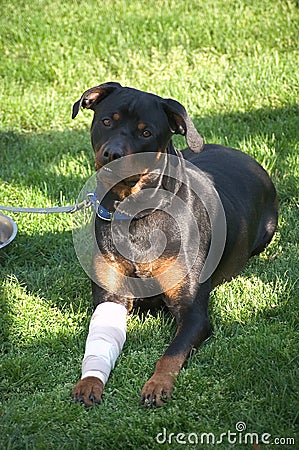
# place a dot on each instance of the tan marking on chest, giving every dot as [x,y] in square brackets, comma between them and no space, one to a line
[168,273]
[109,271]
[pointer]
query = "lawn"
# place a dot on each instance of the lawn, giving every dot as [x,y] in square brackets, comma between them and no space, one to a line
[234,65]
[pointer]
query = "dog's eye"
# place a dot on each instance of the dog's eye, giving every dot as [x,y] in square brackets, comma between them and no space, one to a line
[107,122]
[146,133]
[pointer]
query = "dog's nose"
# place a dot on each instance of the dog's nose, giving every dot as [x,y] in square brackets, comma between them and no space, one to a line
[111,153]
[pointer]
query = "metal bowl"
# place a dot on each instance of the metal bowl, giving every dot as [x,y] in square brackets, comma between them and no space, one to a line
[8,230]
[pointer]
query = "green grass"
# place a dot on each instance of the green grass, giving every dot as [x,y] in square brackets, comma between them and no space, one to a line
[234,65]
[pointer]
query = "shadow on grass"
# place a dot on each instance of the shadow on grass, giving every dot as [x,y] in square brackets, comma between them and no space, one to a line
[46,265]
[51,163]
[269,135]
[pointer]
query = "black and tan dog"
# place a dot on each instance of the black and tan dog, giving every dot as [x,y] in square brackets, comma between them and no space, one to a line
[127,121]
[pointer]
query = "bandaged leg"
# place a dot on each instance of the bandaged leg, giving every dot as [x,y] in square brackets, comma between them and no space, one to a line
[105,340]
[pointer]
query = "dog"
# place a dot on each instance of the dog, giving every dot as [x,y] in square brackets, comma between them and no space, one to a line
[129,122]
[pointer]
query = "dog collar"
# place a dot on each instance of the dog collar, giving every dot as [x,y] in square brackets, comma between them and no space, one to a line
[103,213]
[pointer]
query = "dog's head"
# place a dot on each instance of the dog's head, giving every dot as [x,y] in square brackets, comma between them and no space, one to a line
[128,121]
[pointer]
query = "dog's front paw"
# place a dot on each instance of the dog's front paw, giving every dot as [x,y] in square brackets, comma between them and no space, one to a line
[157,390]
[88,391]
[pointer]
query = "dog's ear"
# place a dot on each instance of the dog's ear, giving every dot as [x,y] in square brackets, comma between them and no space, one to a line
[180,123]
[93,96]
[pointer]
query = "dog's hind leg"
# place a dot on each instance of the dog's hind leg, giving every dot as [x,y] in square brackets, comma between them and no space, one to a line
[266,230]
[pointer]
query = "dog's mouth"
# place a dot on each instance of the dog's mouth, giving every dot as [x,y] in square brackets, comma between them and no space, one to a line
[131,182]
[130,174]
[107,175]
[116,180]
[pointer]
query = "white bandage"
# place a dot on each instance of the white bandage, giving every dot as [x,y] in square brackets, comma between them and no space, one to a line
[105,340]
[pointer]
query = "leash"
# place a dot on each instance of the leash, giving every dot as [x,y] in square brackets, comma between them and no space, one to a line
[91,200]
[53,210]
